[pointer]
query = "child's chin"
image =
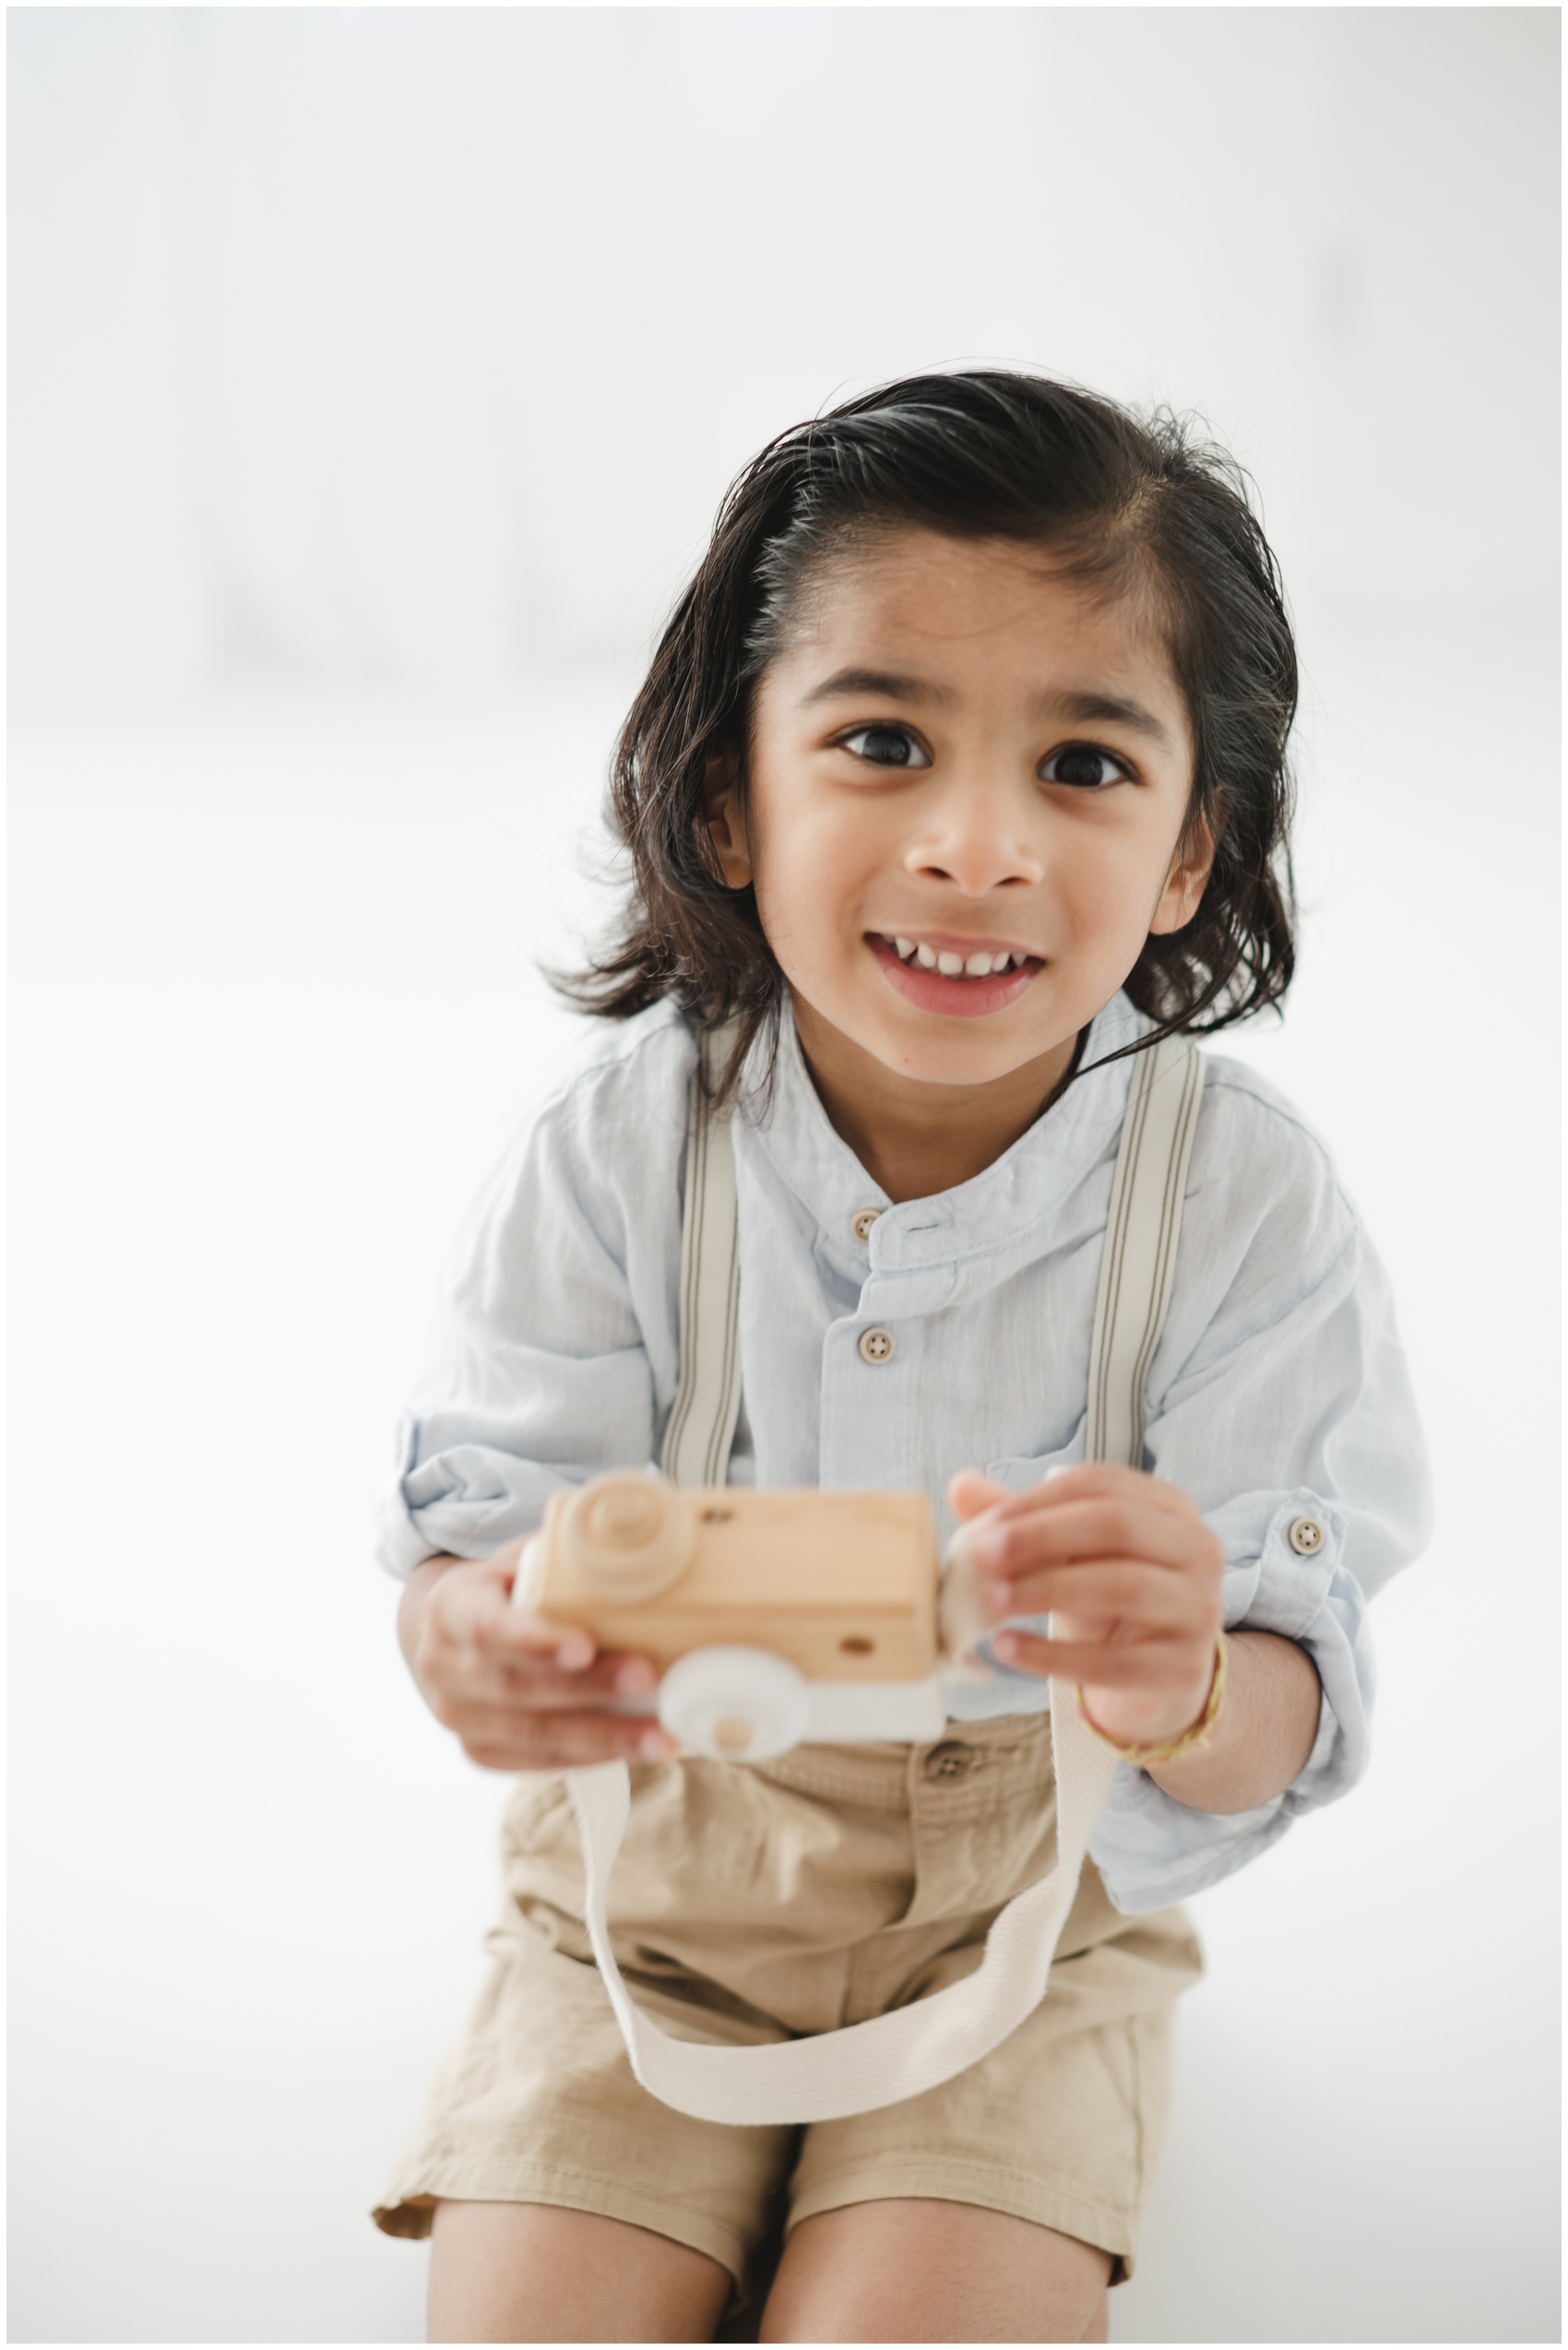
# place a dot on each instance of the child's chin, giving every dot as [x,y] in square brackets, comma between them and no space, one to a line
[919,1046]
[972,1053]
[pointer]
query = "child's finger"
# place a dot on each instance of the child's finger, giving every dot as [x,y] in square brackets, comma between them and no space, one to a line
[613,1674]
[970,1493]
[1128,1588]
[474,1603]
[516,1633]
[1094,1481]
[1115,1527]
[1026,1652]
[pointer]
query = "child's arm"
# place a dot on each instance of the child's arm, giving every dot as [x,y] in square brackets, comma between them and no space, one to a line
[1266,1728]
[1131,1576]
[520,1695]
[559,1344]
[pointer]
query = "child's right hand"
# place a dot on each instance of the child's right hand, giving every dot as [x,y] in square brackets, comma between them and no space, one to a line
[521,1694]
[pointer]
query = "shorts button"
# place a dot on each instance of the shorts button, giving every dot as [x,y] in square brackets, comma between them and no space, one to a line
[862,1220]
[951,1759]
[1304,1535]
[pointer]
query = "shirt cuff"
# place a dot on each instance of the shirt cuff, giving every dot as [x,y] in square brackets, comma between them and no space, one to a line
[463,1503]
[1308,1594]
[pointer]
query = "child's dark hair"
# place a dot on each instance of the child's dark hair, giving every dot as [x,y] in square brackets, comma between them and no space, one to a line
[1132,506]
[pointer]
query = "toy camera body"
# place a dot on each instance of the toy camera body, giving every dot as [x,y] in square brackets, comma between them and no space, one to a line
[774,1618]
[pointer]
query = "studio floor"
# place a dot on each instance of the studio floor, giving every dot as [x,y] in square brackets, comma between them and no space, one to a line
[277,1008]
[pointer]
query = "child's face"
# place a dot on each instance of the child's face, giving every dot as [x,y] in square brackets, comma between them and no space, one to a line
[962,756]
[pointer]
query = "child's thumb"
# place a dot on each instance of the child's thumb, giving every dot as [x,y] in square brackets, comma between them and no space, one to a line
[971,1492]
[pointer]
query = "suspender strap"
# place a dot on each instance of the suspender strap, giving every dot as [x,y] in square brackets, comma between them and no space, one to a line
[1139,1264]
[707,1400]
[913,2048]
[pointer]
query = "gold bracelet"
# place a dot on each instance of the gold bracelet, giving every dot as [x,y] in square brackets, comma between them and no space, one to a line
[1192,1740]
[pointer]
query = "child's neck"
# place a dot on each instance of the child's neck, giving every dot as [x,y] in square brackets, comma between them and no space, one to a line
[912,1137]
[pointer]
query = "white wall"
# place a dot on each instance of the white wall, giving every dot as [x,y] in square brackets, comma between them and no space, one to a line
[416,345]
[374,374]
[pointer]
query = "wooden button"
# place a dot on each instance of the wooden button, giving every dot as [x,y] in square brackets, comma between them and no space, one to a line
[862,1220]
[876,1346]
[1304,1535]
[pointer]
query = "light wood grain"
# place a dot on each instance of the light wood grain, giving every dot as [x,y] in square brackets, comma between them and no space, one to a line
[842,1584]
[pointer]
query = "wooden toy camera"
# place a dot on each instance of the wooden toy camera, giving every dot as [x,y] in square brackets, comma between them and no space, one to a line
[773,1618]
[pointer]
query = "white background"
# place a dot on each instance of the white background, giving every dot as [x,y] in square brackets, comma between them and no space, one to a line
[374,375]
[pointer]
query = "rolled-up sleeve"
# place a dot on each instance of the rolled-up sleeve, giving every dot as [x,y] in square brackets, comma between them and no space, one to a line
[558,1347]
[1292,1422]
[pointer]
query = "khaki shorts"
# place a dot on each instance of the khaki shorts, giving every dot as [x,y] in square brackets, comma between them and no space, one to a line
[752,1904]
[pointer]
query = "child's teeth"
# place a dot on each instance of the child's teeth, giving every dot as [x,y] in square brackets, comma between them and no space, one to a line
[951,966]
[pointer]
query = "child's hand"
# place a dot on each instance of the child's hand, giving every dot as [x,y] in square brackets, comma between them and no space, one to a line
[1130,1575]
[520,1694]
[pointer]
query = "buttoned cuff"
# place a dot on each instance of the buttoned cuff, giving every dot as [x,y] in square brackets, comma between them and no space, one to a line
[1299,1587]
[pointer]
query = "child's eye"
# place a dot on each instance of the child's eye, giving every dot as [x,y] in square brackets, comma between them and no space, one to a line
[1083,764]
[885,746]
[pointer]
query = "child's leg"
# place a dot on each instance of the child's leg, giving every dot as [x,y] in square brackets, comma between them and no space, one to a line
[533,2273]
[919,2271]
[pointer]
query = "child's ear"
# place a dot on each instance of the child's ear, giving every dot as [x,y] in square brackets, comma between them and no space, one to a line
[726,820]
[1186,881]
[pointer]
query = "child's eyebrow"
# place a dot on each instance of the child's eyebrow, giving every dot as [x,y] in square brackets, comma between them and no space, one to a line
[877,681]
[1107,709]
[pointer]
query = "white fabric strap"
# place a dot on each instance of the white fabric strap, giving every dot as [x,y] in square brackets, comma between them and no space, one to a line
[913,2048]
[891,2056]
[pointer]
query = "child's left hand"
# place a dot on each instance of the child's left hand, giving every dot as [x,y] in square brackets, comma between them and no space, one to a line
[1130,1575]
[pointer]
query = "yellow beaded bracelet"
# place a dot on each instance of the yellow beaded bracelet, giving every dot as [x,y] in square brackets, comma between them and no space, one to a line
[1192,1740]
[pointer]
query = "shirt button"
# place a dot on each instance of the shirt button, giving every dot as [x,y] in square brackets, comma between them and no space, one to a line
[876,1346]
[862,1220]
[1304,1535]
[951,1759]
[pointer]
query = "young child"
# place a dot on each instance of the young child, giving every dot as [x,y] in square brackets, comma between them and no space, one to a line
[957,779]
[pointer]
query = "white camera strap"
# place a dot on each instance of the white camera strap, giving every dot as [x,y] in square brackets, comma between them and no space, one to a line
[913,2048]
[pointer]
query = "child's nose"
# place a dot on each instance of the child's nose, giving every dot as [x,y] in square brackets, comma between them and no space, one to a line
[975,838]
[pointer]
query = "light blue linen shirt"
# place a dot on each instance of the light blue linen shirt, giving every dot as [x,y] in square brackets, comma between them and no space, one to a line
[1278,1391]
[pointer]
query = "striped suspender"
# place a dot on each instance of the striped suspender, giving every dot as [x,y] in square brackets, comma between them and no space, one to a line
[1137,1270]
[1139,1262]
[708,1401]
[912,2048]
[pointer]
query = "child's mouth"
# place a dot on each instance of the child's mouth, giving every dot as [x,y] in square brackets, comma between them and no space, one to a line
[961,980]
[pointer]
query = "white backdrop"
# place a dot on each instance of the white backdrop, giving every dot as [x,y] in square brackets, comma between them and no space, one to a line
[374,374]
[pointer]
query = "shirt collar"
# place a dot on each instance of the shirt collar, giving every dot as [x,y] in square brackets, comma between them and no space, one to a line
[996,1208]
